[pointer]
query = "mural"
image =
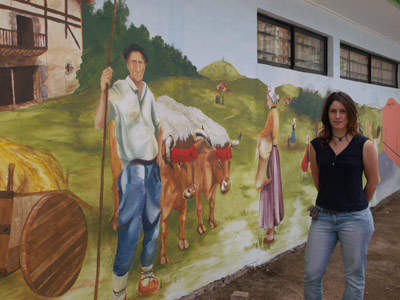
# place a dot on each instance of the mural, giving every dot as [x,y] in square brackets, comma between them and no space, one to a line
[233,159]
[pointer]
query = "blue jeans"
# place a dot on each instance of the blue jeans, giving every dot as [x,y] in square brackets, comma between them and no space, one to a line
[354,231]
[139,189]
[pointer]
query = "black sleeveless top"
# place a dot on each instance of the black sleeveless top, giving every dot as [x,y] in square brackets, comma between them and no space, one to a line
[340,176]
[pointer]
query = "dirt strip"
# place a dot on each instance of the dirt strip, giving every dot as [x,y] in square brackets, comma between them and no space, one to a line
[281,278]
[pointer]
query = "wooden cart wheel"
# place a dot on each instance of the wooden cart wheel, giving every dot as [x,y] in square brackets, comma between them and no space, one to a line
[53,245]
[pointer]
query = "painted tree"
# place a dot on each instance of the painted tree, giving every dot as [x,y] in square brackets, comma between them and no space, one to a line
[164,60]
[308,103]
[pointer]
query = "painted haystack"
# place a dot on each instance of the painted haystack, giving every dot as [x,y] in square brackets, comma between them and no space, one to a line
[35,170]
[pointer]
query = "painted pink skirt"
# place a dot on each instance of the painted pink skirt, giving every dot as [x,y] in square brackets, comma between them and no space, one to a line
[271,197]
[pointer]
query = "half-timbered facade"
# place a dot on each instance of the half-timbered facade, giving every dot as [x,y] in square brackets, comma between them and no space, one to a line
[40,50]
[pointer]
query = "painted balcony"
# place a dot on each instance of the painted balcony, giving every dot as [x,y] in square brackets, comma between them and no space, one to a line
[14,44]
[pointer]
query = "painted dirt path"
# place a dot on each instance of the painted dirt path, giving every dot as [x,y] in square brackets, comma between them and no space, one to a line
[281,279]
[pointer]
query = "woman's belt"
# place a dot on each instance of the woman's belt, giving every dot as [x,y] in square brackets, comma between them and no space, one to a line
[314,210]
[331,211]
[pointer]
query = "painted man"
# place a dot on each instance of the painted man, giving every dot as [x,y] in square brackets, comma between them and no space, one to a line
[138,134]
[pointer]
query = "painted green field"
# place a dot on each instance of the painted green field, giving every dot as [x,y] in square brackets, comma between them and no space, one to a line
[65,128]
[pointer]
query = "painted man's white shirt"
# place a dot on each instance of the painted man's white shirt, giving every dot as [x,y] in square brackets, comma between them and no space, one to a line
[136,120]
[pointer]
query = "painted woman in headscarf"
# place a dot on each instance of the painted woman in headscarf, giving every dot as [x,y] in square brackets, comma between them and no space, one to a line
[268,177]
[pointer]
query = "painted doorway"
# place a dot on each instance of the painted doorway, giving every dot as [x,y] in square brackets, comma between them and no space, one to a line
[23,84]
[17,85]
[6,97]
[25,31]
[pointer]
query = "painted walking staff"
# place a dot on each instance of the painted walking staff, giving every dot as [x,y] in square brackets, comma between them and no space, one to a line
[103,114]
[268,176]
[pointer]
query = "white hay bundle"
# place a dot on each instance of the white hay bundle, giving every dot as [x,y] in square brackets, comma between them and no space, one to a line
[35,170]
[173,118]
[216,132]
[177,118]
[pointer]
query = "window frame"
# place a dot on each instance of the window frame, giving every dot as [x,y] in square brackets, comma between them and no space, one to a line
[343,45]
[293,29]
[358,51]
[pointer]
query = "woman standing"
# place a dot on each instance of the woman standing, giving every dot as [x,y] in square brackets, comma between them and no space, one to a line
[339,156]
[271,197]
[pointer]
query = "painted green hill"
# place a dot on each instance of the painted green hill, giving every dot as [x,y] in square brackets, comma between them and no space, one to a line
[288,90]
[220,70]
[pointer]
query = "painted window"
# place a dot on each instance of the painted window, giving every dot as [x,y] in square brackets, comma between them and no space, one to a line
[356,64]
[288,46]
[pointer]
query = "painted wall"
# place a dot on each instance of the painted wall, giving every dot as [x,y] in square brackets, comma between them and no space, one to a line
[64,51]
[217,37]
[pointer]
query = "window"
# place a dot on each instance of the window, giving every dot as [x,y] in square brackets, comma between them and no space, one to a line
[69,67]
[353,64]
[362,66]
[289,46]
[383,71]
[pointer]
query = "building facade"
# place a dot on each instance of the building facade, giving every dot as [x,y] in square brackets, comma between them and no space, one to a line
[35,62]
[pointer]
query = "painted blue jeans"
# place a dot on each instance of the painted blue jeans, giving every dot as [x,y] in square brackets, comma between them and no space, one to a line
[354,231]
[139,189]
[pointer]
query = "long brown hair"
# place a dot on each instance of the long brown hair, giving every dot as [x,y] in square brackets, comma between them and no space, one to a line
[352,116]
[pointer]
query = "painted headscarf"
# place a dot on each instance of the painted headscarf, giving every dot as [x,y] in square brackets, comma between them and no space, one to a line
[274,96]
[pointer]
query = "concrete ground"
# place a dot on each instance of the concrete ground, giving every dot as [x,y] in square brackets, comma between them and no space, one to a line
[281,279]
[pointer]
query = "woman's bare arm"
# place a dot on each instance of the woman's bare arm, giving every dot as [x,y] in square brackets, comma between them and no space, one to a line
[314,167]
[370,162]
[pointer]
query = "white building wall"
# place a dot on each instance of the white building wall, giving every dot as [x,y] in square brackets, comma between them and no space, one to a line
[62,51]
[209,30]
[4,15]
[337,29]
